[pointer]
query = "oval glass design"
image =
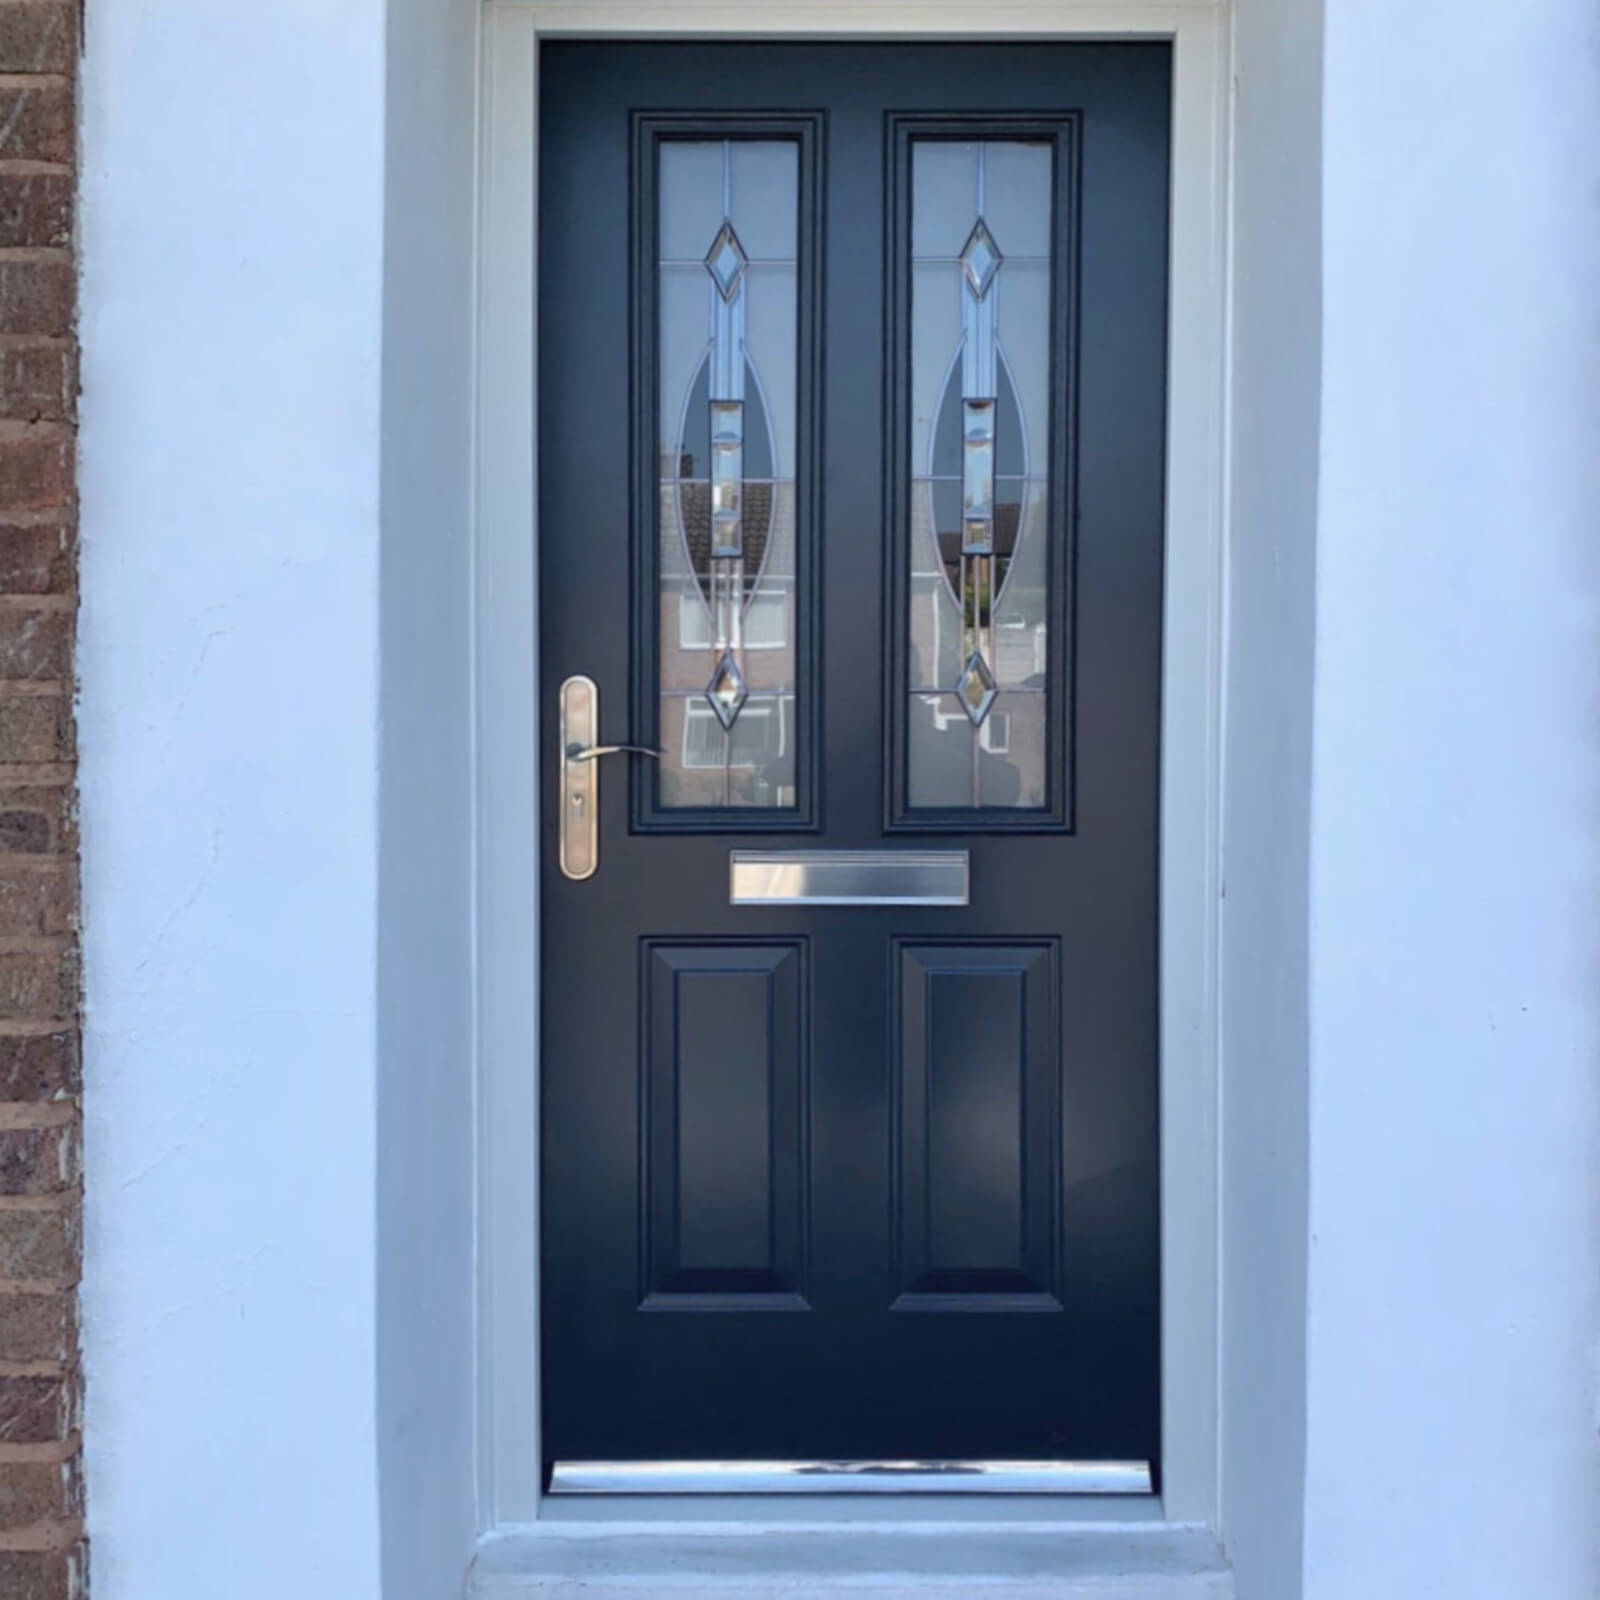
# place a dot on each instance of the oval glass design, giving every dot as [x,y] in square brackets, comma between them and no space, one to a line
[979,562]
[695,486]
[727,301]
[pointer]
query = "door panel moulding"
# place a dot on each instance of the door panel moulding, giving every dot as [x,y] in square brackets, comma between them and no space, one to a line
[508,703]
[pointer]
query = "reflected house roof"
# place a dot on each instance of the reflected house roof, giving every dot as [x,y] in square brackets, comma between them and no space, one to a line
[768,529]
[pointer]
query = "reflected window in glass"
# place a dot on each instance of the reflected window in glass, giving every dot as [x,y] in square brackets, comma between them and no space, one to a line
[727,298]
[979,562]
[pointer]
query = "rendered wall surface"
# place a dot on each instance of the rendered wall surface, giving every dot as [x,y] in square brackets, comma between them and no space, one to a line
[273,656]
[1270,592]
[426,1279]
[1455,932]
[232,291]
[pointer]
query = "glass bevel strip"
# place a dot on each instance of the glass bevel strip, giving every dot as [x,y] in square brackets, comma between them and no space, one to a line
[977,463]
[727,479]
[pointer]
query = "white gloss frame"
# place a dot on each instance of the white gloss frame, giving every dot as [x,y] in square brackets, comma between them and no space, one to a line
[507,697]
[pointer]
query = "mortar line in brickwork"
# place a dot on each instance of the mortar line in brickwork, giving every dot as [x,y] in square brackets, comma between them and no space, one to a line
[35,1369]
[23,1114]
[61,1200]
[36,775]
[49,1453]
[18,430]
[41,1535]
[39,516]
[39,1286]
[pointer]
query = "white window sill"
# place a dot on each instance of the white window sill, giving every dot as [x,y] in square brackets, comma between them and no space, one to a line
[1062,1561]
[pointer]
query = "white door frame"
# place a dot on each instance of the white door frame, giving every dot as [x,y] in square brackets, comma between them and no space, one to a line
[507,697]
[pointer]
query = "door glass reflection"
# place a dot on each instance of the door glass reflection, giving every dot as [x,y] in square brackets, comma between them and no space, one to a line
[978,561]
[727,299]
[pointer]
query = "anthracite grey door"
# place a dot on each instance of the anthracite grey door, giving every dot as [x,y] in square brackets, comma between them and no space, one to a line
[851,477]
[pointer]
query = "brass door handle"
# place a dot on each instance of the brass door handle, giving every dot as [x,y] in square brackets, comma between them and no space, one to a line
[578,752]
[578,822]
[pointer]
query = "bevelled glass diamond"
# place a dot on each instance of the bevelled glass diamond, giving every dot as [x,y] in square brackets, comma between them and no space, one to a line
[726,261]
[980,258]
[976,689]
[727,692]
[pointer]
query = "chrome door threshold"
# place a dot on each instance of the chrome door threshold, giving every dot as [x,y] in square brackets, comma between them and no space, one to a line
[851,1477]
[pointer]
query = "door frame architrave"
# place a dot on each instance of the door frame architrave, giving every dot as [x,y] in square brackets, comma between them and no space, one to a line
[507,696]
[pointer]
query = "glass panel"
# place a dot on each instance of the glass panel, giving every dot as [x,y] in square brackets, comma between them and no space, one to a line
[1011,769]
[944,179]
[691,209]
[1015,177]
[941,747]
[935,617]
[772,296]
[1023,314]
[762,180]
[728,301]
[936,290]
[761,751]
[980,427]
[1020,632]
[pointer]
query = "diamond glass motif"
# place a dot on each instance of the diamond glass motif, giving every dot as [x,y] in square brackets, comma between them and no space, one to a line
[976,689]
[980,258]
[727,692]
[726,261]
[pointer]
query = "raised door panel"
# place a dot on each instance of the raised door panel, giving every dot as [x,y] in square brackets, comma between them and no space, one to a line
[723,1126]
[977,1127]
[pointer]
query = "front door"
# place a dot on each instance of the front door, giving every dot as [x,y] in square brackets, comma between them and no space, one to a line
[852,408]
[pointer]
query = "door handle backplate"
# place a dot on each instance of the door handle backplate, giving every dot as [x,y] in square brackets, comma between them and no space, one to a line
[581,749]
[579,823]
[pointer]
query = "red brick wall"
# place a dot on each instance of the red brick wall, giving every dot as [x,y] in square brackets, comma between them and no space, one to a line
[41,1556]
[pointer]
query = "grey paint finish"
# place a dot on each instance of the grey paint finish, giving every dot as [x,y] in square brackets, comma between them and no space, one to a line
[1054,1560]
[1266,820]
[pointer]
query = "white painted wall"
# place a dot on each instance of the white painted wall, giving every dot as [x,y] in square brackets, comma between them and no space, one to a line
[232,249]
[274,895]
[425,1085]
[1271,575]
[1455,1008]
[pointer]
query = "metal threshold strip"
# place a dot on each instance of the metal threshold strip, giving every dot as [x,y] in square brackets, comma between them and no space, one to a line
[851,1477]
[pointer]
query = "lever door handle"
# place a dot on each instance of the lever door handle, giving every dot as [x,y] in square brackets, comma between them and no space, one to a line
[578,752]
[578,741]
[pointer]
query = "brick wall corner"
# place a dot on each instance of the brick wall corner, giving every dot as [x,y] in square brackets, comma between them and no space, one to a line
[42,1555]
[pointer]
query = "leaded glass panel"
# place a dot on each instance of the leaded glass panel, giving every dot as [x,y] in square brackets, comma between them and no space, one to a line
[979,567]
[727,276]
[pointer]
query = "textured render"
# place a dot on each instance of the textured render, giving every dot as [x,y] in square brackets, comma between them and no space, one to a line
[227,657]
[1451,1443]
[41,1554]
